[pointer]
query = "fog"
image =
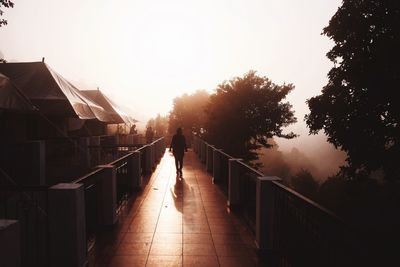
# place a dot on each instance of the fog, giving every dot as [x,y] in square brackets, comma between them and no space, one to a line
[314,154]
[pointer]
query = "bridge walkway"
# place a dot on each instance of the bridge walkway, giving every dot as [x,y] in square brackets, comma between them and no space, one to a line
[178,222]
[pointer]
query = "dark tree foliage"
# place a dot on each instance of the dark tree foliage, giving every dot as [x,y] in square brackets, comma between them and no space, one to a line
[6,4]
[304,183]
[246,112]
[188,113]
[359,108]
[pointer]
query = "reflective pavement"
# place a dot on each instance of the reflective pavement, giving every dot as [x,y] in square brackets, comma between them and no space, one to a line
[178,222]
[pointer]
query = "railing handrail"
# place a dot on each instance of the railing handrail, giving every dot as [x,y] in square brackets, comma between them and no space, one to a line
[121,158]
[308,201]
[82,178]
[251,168]
[287,189]
[117,145]
[221,151]
[157,140]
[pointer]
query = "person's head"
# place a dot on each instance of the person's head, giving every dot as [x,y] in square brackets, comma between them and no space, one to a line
[179,130]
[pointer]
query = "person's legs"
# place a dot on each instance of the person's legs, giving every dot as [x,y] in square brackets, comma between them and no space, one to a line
[176,163]
[181,163]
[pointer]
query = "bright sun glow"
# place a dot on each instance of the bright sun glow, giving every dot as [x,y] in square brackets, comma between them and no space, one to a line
[144,53]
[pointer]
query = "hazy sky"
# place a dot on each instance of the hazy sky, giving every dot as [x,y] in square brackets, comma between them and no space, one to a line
[145,53]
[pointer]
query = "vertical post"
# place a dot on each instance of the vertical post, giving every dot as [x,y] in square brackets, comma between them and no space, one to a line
[143,151]
[67,225]
[136,176]
[10,247]
[216,165]
[195,144]
[233,184]
[200,149]
[94,152]
[156,151]
[83,151]
[37,157]
[209,158]
[161,148]
[203,152]
[107,195]
[116,140]
[148,159]
[265,204]
[153,155]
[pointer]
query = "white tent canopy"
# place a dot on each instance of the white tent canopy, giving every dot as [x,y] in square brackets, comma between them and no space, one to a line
[118,115]
[51,93]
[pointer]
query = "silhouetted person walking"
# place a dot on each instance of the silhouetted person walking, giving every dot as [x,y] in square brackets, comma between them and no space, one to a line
[178,147]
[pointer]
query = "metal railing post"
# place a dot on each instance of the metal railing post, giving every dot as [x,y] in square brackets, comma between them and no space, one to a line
[107,196]
[94,154]
[233,185]
[148,165]
[67,225]
[265,205]
[203,152]
[83,143]
[216,165]
[209,158]
[136,176]
[10,246]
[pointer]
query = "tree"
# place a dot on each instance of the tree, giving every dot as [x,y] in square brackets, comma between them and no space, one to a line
[188,113]
[151,123]
[159,125]
[6,4]
[245,113]
[304,183]
[359,108]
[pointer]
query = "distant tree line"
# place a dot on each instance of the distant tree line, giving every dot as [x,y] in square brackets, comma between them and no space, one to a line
[159,125]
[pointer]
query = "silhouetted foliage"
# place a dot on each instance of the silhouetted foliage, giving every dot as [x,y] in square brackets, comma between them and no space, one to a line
[247,111]
[6,4]
[371,208]
[304,183]
[359,108]
[159,124]
[188,113]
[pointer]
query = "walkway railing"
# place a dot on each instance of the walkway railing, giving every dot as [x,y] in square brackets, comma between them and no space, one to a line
[110,185]
[29,206]
[57,225]
[283,221]
[246,194]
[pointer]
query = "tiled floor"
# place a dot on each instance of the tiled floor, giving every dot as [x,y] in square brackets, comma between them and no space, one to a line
[180,222]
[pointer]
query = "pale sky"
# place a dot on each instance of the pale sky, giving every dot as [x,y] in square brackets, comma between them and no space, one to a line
[144,53]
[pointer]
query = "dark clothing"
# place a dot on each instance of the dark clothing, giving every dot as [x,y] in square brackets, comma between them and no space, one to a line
[178,146]
[178,163]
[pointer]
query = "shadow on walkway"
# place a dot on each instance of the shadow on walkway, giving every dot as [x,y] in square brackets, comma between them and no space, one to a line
[177,222]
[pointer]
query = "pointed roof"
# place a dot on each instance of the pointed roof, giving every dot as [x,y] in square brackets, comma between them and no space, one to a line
[11,98]
[51,93]
[116,112]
